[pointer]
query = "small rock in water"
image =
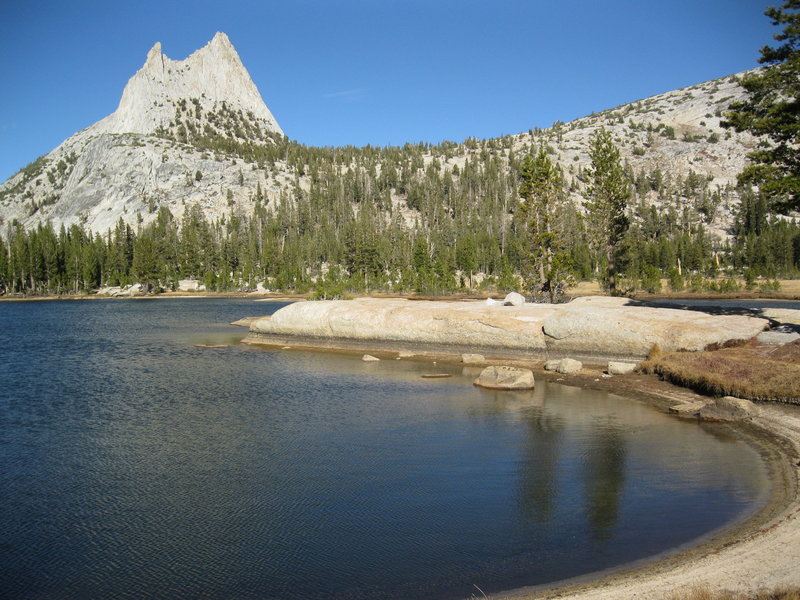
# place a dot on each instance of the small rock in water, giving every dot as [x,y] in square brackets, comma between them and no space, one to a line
[370,358]
[505,378]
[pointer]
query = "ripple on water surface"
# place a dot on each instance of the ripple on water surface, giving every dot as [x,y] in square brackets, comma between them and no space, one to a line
[136,465]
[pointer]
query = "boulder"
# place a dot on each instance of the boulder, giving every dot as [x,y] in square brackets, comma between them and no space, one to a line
[729,408]
[370,358]
[514,299]
[777,338]
[620,368]
[569,365]
[505,378]
[493,302]
[688,409]
[552,365]
[472,359]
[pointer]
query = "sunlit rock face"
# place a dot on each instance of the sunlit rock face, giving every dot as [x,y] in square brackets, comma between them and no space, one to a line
[139,158]
[582,328]
[210,76]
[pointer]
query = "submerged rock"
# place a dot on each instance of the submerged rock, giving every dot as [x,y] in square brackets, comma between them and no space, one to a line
[505,378]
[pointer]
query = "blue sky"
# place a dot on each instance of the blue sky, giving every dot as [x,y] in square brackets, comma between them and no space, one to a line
[372,72]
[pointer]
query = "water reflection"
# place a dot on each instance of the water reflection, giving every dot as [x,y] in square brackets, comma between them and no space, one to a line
[538,477]
[136,465]
[604,479]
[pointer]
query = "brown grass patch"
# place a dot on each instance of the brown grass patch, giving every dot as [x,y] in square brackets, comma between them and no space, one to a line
[754,372]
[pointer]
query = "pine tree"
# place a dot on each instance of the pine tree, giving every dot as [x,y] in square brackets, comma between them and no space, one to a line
[608,191]
[541,193]
[771,111]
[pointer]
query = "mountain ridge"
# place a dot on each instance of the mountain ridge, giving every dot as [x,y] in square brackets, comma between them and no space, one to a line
[178,139]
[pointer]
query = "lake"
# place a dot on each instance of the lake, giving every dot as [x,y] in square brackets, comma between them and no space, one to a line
[135,465]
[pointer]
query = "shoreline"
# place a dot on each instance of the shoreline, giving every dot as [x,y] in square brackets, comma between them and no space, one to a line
[759,551]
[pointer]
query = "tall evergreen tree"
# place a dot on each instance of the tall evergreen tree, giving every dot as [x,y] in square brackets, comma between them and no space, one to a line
[607,202]
[541,193]
[771,111]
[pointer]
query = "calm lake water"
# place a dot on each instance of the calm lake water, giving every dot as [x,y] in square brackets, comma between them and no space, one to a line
[134,465]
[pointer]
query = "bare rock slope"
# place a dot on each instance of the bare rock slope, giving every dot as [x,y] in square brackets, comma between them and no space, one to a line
[126,165]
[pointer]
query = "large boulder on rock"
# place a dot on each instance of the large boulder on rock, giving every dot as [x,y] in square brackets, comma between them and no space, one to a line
[505,378]
[514,299]
[729,408]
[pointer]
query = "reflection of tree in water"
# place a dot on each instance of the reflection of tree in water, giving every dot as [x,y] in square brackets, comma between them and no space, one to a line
[604,479]
[539,466]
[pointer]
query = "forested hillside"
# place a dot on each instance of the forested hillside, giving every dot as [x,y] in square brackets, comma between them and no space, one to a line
[212,193]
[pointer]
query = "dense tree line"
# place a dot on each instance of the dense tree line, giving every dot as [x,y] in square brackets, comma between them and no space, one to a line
[477,228]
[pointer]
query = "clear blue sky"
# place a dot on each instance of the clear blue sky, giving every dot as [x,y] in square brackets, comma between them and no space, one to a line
[372,72]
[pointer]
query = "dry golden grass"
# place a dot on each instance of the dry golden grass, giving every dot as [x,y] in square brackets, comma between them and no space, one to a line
[703,593]
[752,372]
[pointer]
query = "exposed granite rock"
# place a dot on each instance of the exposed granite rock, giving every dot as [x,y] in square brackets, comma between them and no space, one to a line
[777,338]
[620,368]
[473,359]
[564,365]
[729,408]
[783,315]
[575,328]
[514,299]
[506,378]
[370,358]
[689,409]
[569,365]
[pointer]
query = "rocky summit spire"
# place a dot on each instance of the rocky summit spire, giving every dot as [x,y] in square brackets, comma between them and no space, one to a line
[207,78]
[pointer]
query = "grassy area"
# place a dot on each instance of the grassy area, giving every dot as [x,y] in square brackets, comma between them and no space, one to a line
[767,373]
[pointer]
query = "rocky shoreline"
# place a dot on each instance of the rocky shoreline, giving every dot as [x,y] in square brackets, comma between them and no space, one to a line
[757,554]
[591,326]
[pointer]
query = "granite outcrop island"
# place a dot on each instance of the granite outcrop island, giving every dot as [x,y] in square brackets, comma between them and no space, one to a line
[591,327]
